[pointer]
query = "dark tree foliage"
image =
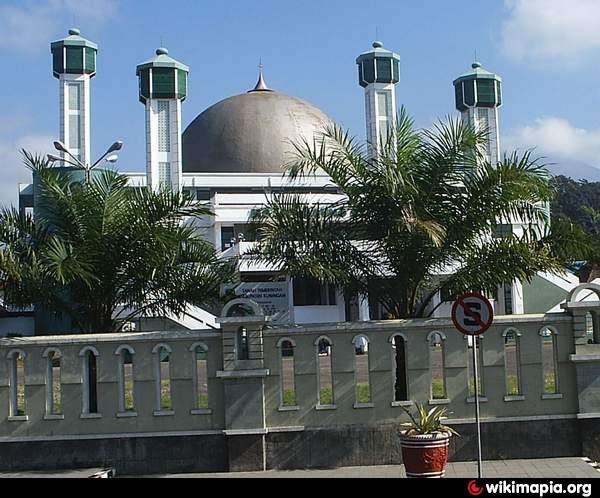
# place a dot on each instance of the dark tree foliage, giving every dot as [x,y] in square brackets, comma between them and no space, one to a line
[102,253]
[578,203]
[426,205]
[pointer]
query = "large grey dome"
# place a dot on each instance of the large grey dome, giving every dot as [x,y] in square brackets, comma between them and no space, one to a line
[249,133]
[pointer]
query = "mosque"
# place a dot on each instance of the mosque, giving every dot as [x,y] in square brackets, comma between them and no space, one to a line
[231,155]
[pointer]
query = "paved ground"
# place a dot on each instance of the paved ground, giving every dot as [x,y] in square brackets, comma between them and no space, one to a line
[76,473]
[572,467]
[541,468]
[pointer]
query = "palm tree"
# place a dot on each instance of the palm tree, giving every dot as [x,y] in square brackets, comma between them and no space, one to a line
[100,252]
[416,217]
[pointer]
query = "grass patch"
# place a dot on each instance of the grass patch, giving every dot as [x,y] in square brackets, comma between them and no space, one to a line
[326,396]
[289,397]
[512,385]
[472,387]
[202,401]
[550,384]
[165,395]
[438,390]
[363,393]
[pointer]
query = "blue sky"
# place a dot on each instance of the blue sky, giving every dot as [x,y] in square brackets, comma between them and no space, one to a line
[547,52]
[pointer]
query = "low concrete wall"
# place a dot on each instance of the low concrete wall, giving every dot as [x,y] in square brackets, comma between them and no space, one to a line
[311,448]
[127,455]
[245,426]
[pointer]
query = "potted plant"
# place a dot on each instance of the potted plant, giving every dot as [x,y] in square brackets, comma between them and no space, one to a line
[425,442]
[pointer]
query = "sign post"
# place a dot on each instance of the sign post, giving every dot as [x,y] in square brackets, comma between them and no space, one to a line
[472,315]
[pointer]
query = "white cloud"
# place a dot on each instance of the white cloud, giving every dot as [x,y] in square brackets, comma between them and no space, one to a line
[12,169]
[28,26]
[557,138]
[551,32]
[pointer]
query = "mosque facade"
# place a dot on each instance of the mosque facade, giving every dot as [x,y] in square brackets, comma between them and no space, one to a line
[232,155]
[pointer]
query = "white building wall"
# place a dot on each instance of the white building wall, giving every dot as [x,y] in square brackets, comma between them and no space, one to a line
[317,314]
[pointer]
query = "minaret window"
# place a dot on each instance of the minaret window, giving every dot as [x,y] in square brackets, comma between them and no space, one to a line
[383,104]
[483,124]
[74,96]
[164,128]
[164,173]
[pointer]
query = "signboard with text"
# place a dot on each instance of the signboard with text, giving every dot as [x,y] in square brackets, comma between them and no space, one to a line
[272,297]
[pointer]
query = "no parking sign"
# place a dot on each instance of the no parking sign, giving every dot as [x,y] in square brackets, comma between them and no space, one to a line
[472,314]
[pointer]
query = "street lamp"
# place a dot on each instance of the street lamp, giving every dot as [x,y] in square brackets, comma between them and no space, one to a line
[58,145]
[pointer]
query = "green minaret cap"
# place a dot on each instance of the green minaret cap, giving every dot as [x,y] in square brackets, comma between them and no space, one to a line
[477,88]
[162,77]
[378,65]
[73,55]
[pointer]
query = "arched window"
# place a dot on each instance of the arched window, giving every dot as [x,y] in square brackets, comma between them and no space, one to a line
[437,365]
[512,362]
[399,369]
[200,352]
[470,370]
[549,361]
[241,344]
[90,380]
[53,382]
[288,376]
[325,372]
[126,381]
[17,405]
[162,373]
[361,370]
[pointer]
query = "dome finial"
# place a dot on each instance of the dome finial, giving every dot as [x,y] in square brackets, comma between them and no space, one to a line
[74,31]
[476,64]
[261,86]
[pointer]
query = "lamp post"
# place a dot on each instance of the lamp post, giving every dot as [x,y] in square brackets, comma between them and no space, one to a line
[58,145]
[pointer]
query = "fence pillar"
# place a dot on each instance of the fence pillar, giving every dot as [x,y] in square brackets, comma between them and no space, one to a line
[243,375]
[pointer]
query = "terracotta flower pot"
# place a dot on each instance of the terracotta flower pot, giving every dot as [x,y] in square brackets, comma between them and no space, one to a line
[425,455]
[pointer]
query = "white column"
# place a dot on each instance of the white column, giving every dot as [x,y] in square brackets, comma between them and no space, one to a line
[517,297]
[163,142]
[486,118]
[75,111]
[380,111]
[364,315]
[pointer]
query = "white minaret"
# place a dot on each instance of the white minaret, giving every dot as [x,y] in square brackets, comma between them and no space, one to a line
[74,64]
[378,73]
[478,96]
[163,86]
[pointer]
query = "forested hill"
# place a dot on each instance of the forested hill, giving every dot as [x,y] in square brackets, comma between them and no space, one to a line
[579,201]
